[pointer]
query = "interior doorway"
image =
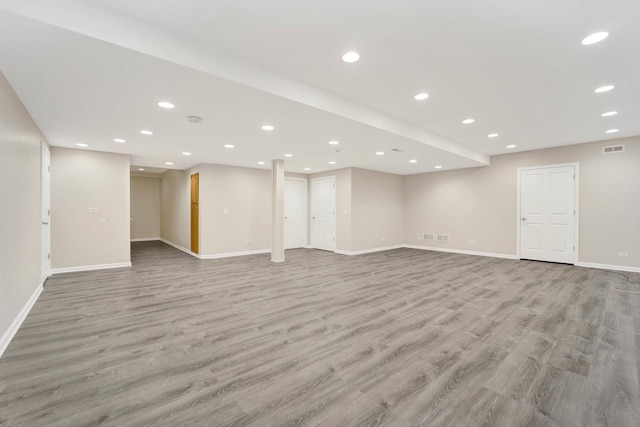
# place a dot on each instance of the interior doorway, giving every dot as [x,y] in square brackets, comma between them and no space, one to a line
[195,213]
[45,212]
[547,213]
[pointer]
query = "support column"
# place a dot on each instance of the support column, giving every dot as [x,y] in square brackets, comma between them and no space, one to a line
[277,176]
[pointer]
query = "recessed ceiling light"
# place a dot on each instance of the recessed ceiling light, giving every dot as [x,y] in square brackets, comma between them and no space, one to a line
[438,167]
[119,140]
[140,169]
[261,163]
[595,38]
[307,169]
[350,56]
[468,121]
[492,135]
[421,96]
[334,142]
[609,113]
[229,145]
[413,161]
[168,163]
[146,132]
[379,153]
[332,162]
[186,153]
[82,145]
[267,127]
[612,130]
[511,146]
[166,104]
[606,88]
[288,155]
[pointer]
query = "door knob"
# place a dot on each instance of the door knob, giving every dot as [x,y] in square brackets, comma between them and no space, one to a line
[313,217]
[524,219]
[45,223]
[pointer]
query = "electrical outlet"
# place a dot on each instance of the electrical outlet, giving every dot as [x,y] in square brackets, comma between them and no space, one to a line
[419,237]
[472,242]
[382,239]
[623,253]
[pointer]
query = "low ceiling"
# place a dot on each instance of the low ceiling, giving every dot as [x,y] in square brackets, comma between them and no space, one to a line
[90,72]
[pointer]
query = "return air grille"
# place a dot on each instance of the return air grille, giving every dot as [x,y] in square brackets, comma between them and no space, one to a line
[428,236]
[613,149]
[442,238]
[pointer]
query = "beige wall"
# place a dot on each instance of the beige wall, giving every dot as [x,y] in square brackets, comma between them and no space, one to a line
[81,180]
[20,215]
[145,207]
[343,206]
[479,204]
[174,207]
[377,204]
[245,193]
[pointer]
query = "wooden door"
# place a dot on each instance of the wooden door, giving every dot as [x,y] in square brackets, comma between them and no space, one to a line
[195,213]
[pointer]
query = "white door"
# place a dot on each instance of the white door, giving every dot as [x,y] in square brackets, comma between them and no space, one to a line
[547,214]
[295,213]
[45,204]
[323,213]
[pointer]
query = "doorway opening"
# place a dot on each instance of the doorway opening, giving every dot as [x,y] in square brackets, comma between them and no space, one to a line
[195,213]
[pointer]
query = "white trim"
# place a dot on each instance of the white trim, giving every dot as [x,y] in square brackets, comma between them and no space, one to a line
[90,267]
[608,267]
[232,254]
[146,239]
[182,248]
[576,206]
[462,252]
[368,251]
[8,335]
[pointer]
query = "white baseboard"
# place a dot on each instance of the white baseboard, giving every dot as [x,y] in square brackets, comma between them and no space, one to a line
[146,239]
[368,251]
[232,254]
[8,335]
[90,267]
[462,252]
[182,248]
[608,267]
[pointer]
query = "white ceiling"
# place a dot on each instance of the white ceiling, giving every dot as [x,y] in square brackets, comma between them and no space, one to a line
[89,72]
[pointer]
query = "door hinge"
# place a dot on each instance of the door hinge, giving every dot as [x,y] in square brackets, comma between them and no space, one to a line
[48,212]
[334,239]
[48,168]
[574,211]
[48,256]
[574,248]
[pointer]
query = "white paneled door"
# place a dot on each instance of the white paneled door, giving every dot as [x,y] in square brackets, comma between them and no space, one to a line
[45,207]
[295,213]
[323,213]
[548,214]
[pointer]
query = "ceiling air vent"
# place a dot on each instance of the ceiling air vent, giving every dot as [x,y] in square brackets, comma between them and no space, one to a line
[613,149]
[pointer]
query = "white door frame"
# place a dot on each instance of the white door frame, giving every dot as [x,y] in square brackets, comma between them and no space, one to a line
[576,221]
[305,223]
[44,273]
[335,217]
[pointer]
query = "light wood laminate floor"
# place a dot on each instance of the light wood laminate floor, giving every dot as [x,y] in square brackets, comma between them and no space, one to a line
[397,338]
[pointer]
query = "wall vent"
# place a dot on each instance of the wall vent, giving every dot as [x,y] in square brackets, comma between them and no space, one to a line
[613,149]
[444,238]
[428,236]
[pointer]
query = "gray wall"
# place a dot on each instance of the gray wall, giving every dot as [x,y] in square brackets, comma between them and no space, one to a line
[145,207]
[244,192]
[174,207]
[480,204]
[80,180]
[20,214]
[246,195]
[377,205]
